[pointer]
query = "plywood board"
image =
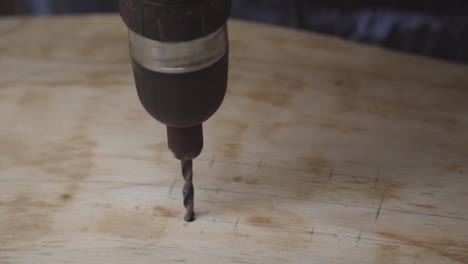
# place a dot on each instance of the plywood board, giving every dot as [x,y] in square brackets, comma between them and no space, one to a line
[324,151]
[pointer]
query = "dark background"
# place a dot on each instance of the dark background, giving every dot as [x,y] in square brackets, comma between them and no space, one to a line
[431,28]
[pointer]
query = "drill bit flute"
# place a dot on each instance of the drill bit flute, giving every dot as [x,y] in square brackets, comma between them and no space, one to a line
[179,51]
[187,172]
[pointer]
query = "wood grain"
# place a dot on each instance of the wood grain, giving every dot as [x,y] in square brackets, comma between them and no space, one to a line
[324,151]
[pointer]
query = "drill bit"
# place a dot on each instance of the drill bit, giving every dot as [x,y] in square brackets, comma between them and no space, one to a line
[187,173]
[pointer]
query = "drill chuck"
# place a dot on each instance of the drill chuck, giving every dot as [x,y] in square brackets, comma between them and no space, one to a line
[178,57]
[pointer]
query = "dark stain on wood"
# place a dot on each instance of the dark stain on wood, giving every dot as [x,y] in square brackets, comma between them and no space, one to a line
[339,82]
[252,180]
[275,90]
[452,167]
[276,127]
[164,211]
[231,150]
[302,125]
[105,80]
[454,250]
[275,230]
[233,131]
[337,126]
[388,254]
[237,179]
[72,158]
[131,224]
[34,98]
[25,218]
[392,189]
[259,220]
[65,197]
[348,95]
[425,206]
[67,159]
[317,164]
[414,105]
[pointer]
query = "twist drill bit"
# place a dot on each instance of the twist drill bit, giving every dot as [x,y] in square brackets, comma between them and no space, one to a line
[188,192]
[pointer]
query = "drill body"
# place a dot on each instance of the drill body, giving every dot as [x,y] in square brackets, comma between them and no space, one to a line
[179,51]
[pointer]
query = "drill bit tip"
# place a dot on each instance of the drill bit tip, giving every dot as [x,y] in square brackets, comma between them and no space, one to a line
[189,217]
[188,192]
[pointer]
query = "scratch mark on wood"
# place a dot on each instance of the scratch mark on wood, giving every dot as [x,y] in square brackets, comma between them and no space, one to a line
[380,206]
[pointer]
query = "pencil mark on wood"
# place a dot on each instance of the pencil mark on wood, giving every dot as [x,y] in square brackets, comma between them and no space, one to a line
[337,237]
[330,176]
[377,179]
[380,206]
[172,188]
[433,215]
[358,239]
[235,225]
[312,232]
[238,163]
[237,192]
[364,238]
[251,164]
[260,162]
[352,175]
[213,160]
[387,241]
[286,168]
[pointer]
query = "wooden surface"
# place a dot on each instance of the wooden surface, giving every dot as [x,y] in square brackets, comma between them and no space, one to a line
[324,151]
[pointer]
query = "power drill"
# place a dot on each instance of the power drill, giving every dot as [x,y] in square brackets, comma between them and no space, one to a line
[179,51]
